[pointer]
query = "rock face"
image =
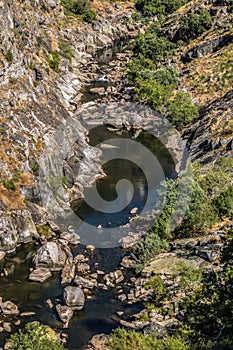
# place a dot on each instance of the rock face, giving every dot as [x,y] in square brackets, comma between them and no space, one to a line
[50,256]
[15,227]
[74,297]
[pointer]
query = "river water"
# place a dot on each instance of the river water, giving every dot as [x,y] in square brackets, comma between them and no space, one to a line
[96,317]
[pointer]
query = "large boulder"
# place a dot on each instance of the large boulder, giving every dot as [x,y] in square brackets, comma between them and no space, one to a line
[50,256]
[74,297]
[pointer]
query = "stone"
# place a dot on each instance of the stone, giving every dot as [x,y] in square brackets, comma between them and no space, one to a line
[2,255]
[68,273]
[65,313]
[74,297]
[40,274]
[9,308]
[113,278]
[99,342]
[27,314]
[84,282]
[99,91]
[50,256]
[83,268]
[71,238]
[7,327]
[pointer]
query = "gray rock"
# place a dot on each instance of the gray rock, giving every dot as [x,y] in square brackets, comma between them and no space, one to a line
[74,297]
[51,256]
[40,274]
[84,282]
[2,255]
[9,308]
[15,227]
[72,238]
[65,313]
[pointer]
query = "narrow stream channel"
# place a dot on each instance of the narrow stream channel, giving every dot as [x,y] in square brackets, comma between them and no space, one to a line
[96,316]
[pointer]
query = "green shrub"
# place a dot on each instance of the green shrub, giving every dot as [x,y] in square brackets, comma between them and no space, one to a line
[154,94]
[189,276]
[158,7]
[194,24]
[65,50]
[120,339]
[89,16]
[230,6]
[155,48]
[159,289]
[224,202]
[34,337]
[54,60]
[9,184]
[80,7]
[181,110]
[9,56]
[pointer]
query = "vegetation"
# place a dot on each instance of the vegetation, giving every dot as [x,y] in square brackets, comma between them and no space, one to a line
[65,50]
[211,201]
[127,340]
[158,7]
[34,337]
[80,7]
[54,60]
[9,56]
[194,24]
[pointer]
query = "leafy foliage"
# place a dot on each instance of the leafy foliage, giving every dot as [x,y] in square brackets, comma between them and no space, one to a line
[194,24]
[65,50]
[158,7]
[80,7]
[181,110]
[34,337]
[54,60]
[121,339]
[153,47]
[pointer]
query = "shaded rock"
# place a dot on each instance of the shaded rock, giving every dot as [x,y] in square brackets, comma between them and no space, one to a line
[65,313]
[113,278]
[71,238]
[40,274]
[84,282]
[2,255]
[51,256]
[83,268]
[68,273]
[98,342]
[74,297]
[7,327]
[9,308]
[156,329]
[16,227]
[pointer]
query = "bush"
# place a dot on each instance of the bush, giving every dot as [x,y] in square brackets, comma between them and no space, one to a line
[194,24]
[80,7]
[9,184]
[154,94]
[159,289]
[9,56]
[120,339]
[153,47]
[181,110]
[158,7]
[223,203]
[65,50]
[189,277]
[34,337]
[54,60]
